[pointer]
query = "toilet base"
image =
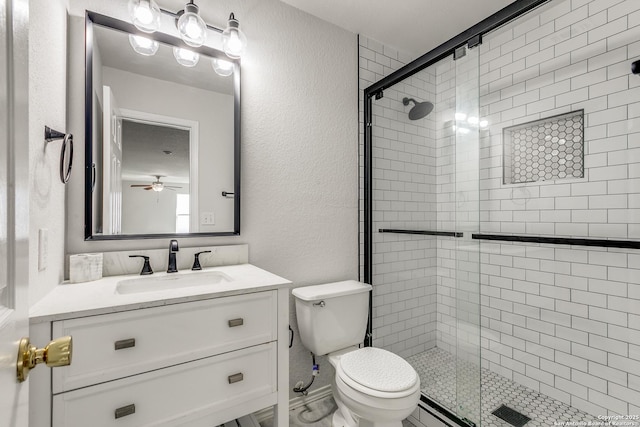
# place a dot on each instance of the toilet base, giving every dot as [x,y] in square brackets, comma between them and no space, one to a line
[338,420]
[351,404]
[369,408]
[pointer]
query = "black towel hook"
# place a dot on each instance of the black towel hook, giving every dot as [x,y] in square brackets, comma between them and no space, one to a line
[53,135]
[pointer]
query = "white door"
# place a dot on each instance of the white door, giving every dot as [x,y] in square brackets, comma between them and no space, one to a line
[14,208]
[112,163]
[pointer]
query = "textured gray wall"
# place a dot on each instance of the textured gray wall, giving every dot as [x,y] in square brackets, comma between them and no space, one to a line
[47,106]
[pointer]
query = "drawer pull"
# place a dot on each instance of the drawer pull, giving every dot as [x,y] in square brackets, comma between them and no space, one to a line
[119,345]
[236,378]
[236,322]
[125,410]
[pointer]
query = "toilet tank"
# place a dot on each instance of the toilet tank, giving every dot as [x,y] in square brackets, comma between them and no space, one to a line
[332,316]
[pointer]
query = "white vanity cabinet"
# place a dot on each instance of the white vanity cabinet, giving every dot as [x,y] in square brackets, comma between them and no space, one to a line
[200,362]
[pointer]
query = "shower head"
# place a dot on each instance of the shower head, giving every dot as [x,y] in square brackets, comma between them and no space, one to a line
[419,110]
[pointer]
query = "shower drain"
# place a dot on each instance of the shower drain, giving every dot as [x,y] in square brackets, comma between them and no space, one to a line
[511,416]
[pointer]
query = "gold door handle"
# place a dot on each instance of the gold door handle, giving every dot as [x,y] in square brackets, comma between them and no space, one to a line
[56,353]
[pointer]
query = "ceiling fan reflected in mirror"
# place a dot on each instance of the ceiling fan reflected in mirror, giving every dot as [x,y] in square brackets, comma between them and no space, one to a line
[155,185]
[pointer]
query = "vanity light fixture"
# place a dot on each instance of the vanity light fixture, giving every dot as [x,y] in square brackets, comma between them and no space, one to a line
[234,42]
[191,26]
[143,45]
[145,15]
[186,57]
[222,67]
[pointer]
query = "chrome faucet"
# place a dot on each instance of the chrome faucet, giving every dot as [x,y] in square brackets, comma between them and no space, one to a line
[173,248]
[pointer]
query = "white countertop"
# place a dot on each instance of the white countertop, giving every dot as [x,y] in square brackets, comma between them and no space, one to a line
[99,297]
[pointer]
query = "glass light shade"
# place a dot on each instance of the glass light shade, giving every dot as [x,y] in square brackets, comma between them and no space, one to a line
[222,67]
[145,15]
[191,26]
[157,186]
[143,45]
[234,42]
[186,57]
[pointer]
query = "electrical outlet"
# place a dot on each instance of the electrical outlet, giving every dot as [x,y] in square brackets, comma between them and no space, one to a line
[207,218]
[43,248]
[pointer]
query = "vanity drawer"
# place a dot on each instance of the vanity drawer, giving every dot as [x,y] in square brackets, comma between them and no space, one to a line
[172,396]
[113,346]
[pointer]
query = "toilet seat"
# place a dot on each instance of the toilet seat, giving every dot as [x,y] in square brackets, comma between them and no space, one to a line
[377,372]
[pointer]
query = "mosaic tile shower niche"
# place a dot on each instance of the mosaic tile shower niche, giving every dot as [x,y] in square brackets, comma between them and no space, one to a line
[543,150]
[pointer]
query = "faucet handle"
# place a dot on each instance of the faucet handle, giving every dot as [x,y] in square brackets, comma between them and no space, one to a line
[146,268]
[196,260]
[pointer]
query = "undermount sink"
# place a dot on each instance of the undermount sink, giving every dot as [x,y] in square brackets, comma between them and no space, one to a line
[170,282]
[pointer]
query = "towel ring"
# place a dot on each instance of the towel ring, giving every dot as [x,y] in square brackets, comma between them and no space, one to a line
[65,172]
[67,140]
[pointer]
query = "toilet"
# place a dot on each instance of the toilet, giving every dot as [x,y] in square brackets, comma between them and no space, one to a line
[372,387]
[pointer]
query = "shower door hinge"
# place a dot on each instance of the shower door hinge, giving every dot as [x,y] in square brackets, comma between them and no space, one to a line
[475,41]
[379,94]
[459,53]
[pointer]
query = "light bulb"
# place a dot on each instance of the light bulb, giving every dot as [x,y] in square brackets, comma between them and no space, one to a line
[484,123]
[186,57]
[460,116]
[191,26]
[473,120]
[234,42]
[222,67]
[145,15]
[143,45]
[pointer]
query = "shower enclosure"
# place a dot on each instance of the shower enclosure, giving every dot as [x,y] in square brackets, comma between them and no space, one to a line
[501,222]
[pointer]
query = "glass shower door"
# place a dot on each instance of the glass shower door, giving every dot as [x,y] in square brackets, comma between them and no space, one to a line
[468,127]
[425,206]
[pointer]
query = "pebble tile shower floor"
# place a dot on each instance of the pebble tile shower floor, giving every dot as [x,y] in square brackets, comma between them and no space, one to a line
[436,368]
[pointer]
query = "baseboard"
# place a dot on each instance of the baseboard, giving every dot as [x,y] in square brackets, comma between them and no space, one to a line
[296,402]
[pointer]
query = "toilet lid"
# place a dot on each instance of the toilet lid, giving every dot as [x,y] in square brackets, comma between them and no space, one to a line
[378,369]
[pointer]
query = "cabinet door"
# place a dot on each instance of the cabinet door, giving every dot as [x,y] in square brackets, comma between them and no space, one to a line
[214,389]
[113,346]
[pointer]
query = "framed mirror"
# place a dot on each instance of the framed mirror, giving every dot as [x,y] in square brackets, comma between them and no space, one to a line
[162,135]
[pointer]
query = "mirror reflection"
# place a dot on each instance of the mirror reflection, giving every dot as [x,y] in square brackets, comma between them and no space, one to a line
[164,139]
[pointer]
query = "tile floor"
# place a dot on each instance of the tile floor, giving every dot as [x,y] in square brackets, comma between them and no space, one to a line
[437,368]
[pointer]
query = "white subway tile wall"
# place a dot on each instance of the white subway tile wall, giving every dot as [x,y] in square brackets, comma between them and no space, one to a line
[564,320]
[561,320]
[404,295]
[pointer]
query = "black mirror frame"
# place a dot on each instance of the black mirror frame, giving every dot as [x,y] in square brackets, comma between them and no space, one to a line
[116,24]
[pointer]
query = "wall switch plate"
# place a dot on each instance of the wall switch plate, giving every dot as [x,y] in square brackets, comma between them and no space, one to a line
[207,218]
[43,248]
